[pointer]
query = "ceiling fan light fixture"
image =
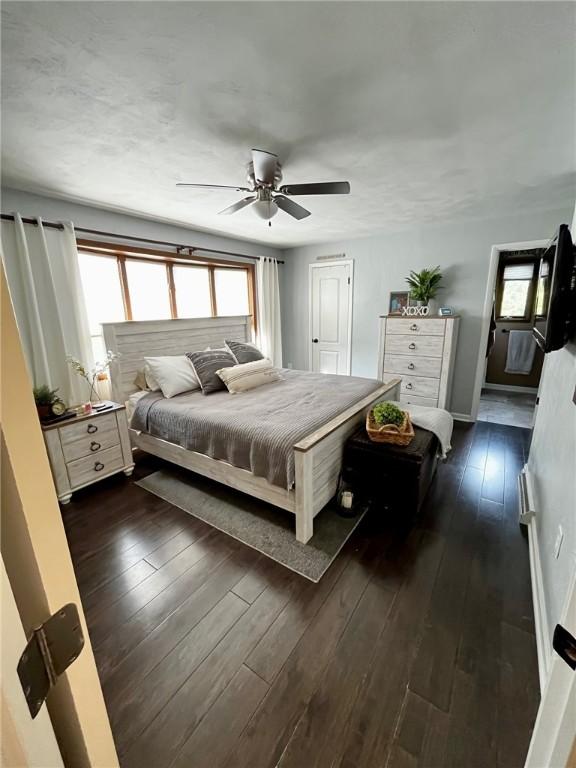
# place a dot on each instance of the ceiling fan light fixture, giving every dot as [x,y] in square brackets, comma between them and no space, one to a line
[265,209]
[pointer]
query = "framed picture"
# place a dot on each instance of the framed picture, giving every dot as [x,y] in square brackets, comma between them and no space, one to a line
[398,301]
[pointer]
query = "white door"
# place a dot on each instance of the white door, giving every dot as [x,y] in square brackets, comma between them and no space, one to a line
[39,567]
[331,317]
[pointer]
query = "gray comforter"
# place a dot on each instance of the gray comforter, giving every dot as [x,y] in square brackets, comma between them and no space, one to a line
[254,430]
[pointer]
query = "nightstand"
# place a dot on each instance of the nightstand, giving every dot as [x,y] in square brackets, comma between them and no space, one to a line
[84,449]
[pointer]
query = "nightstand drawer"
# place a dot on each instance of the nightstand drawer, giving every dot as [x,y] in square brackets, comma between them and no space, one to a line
[91,427]
[90,468]
[89,445]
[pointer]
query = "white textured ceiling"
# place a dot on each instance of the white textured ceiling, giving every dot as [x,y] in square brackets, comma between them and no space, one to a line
[430,110]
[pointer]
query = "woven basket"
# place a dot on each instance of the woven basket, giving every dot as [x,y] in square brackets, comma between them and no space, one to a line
[389,433]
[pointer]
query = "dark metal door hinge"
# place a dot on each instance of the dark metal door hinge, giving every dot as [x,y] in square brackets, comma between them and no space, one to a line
[348,281]
[53,646]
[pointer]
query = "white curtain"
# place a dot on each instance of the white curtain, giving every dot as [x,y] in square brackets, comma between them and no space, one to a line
[43,277]
[269,323]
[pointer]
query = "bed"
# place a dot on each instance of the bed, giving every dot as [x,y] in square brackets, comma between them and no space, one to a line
[314,459]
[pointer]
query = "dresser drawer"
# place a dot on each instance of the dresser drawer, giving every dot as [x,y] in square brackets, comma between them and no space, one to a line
[88,428]
[429,402]
[90,468]
[426,346]
[413,366]
[89,445]
[420,386]
[416,326]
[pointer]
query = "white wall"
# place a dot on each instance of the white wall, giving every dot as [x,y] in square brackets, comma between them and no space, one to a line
[111,221]
[461,248]
[552,465]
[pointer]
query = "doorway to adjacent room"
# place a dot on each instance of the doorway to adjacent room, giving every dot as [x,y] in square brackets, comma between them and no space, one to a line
[510,362]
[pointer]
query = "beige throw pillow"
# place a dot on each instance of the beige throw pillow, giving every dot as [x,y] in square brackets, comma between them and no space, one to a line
[241,378]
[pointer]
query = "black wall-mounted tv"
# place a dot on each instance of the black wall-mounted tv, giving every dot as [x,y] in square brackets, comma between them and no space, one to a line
[555,308]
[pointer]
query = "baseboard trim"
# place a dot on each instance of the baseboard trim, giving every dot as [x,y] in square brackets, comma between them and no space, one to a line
[538,596]
[462,417]
[511,388]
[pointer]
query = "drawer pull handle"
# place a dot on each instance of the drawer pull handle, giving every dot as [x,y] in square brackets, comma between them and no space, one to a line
[94,446]
[413,327]
[98,466]
[411,366]
[412,346]
[91,429]
[409,385]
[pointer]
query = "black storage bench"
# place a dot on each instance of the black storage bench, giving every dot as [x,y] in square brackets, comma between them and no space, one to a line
[394,476]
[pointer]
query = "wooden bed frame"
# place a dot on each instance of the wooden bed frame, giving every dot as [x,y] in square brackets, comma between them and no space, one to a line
[317,458]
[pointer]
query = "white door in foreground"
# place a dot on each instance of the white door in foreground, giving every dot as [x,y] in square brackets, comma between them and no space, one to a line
[330,317]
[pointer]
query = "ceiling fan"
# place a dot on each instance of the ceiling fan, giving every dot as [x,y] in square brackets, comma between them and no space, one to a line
[266,197]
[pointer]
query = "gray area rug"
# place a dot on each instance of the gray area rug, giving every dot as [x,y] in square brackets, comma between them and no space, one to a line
[268,529]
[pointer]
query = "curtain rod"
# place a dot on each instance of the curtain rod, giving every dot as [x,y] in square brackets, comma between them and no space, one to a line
[191,248]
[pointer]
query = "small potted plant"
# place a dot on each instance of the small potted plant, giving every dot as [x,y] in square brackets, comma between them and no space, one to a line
[424,285]
[45,399]
[386,423]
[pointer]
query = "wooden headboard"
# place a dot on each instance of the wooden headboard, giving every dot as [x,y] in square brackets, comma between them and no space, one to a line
[132,341]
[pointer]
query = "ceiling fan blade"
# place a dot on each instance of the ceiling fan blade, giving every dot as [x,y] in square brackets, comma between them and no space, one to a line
[290,207]
[264,166]
[237,206]
[323,188]
[214,186]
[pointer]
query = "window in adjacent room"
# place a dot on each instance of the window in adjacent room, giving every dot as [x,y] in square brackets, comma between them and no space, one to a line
[516,291]
[121,285]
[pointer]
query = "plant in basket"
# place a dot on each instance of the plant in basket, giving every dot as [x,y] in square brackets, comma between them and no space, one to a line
[386,423]
[388,413]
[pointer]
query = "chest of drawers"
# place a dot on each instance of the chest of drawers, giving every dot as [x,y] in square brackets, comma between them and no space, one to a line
[421,351]
[85,449]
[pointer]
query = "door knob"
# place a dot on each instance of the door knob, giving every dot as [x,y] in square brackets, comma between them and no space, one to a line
[315,341]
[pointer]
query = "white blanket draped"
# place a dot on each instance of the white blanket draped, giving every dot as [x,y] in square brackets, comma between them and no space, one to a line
[435,420]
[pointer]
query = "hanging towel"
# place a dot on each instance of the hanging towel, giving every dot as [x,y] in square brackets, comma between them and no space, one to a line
[521,349]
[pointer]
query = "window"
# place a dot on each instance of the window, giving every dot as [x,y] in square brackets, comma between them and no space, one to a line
[152,285]
[231,292]
[516,291]
[103,294]
[148,290]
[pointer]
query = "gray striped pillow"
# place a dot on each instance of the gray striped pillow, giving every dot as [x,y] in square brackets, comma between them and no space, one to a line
[206,364]
[243,352]
[241,378]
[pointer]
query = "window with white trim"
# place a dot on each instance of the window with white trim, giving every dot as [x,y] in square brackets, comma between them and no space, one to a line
[124,286]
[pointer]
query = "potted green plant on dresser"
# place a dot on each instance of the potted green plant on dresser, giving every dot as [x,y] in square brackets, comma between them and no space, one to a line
[424,285]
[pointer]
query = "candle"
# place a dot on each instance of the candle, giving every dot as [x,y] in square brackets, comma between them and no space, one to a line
[346,499]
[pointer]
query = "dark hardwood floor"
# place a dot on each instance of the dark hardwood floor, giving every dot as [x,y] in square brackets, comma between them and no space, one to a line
[416,648]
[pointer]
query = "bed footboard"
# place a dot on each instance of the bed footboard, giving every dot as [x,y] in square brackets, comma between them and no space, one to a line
[318,459]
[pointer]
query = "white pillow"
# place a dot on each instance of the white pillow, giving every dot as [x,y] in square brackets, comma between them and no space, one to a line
[173,375]
[241,378]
